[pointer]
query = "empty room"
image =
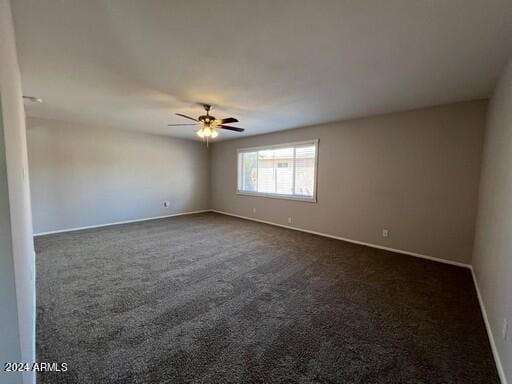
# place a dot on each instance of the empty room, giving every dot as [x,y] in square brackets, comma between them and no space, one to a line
[236,191]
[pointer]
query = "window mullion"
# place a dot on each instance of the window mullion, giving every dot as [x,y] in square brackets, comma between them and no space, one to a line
[240,171]
[274,170]
[257,171]
[293,172]
[244,159]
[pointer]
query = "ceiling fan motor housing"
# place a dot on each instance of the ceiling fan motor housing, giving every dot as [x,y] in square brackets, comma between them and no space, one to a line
[206,119]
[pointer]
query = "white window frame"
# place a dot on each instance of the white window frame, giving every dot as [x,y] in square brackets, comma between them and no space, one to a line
[311,199]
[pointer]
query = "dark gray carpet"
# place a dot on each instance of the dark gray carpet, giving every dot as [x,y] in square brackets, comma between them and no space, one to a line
[214,299]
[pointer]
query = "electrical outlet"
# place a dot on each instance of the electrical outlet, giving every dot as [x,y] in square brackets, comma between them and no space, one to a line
[504,329]
[167,204]
[385,233]
[289,220]
[254,210]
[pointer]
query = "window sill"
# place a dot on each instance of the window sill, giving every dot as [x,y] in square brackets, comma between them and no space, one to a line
[278,196]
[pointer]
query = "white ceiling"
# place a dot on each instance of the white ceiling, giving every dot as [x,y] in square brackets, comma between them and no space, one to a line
[273,64]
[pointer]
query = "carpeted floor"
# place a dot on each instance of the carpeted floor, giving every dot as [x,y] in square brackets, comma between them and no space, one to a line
[209,298]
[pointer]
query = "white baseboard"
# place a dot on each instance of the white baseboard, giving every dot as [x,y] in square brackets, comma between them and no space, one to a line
[456,263]
[495,352]
[119,222]
[496,356]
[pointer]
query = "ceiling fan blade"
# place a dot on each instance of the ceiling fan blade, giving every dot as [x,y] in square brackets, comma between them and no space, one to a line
[228,120]
[186,117]
[178,125]
[231,128]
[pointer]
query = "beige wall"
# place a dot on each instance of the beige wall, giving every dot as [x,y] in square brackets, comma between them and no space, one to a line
[492,259]
[17,303]
[83,176]
[414,173]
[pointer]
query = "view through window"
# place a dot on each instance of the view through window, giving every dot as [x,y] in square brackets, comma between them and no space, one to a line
[284,171]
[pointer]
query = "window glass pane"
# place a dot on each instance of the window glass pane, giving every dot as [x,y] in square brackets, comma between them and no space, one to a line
[249,171]
[266,174]
[304,170]
[283,161]
[280,170]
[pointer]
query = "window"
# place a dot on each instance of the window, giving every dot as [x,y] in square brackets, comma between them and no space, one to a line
[285,171]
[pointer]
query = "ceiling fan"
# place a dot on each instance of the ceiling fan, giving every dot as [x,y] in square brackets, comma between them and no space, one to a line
[209,124]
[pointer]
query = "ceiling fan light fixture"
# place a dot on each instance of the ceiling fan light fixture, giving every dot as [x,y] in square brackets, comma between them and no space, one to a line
[208,125]
[207,131]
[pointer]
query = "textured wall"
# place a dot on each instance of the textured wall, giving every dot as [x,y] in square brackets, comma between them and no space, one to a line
[414,173]
[492,259]
[85,176]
